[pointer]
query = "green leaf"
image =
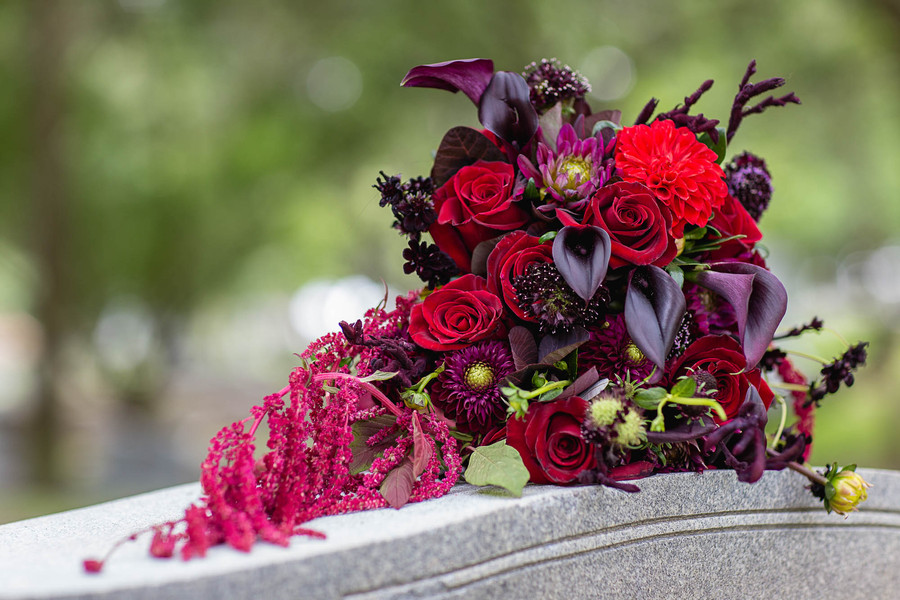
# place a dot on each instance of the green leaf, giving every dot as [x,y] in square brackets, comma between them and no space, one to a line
[497,464]
[531,193]
[548,396]
[829,491]
[685,388]
[650,398]
[696,234]
[718,148]
[378,376]
[547,237]
[676,273]
[601,125]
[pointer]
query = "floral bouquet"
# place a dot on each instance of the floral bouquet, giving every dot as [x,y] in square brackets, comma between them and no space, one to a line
[596,309]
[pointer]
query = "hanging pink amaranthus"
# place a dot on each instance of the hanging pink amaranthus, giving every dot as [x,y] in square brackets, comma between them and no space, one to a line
[310,469]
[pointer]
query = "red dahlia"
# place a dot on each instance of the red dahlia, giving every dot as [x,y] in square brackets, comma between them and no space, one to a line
[680,170]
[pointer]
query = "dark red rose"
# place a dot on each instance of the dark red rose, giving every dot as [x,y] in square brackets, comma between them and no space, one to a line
[473,206]
[733,219]
[457,315]
[723,358]
[637,223]
[511,258]
[549,440]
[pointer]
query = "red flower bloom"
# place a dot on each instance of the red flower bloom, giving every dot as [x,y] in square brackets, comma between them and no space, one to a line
[473,206]
[457,315]
[723,358]
[549,440]
[680,170]
[510,259]
[638,226]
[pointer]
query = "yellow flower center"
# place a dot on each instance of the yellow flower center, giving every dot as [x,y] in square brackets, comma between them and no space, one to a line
[633,353]
[479,375]
[577,169]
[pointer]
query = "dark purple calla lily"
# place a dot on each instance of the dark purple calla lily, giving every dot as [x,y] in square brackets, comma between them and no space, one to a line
[505,108]
[469,76]
[758,298]
[581,254]
[654,307]
[742,440]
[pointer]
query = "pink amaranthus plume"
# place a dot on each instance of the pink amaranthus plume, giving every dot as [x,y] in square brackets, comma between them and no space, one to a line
[313,467]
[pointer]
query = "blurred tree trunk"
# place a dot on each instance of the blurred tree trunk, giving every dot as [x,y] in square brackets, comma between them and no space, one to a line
[49,220]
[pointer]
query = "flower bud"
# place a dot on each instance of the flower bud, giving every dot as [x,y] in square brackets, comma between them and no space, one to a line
[846,491]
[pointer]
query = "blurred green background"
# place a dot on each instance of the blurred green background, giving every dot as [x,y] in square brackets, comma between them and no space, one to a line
[185,197]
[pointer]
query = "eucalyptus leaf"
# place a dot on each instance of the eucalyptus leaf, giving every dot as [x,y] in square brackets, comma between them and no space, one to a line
[551,395]
[497,464]
[677,274]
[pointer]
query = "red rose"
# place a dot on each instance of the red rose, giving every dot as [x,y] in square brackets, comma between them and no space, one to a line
[637,223]
[510,259]
[723,358]
[549,440]
[733,219]
[473,206]
[457,315]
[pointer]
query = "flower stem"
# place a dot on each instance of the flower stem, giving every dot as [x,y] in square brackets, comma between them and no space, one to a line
[783,406]
[812,357]
[809,473]
[546,388]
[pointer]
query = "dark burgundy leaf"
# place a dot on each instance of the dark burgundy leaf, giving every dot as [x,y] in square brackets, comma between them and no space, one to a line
[585,381]
[397,486]
[480,255]
[462,146]
[554,348]
[758,298]
[524,348]
[421,448]
[581,253]
[654,307]
[470,76]
[505,108]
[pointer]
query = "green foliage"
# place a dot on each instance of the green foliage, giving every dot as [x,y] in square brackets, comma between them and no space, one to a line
[497,464]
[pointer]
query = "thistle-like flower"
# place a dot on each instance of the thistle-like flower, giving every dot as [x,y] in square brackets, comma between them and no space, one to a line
[613,421]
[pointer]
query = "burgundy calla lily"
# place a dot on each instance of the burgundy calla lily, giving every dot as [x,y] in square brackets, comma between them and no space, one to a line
[506,110]
[469,76]
[581,253]
[654,307]
[758,298]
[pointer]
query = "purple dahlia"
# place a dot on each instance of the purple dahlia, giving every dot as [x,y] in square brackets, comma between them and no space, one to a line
[569,176]
[468,390]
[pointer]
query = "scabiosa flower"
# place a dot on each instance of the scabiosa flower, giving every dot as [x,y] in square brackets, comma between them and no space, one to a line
[551,82]
[613,352]
[468,390]
[569,176]
[612,420]
[546,297]
[750,183]
[680,170]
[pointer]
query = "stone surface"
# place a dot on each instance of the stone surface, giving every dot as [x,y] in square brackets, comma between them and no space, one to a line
[687,535]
